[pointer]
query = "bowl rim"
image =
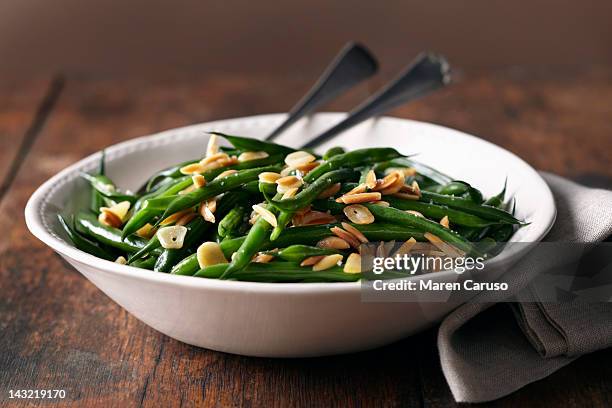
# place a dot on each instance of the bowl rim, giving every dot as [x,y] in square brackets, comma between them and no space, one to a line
[37,203]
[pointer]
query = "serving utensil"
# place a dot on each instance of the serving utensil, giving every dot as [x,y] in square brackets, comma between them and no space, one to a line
[425,74]
[353,64]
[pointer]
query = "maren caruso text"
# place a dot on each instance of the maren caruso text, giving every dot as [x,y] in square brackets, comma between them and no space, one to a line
[428,284]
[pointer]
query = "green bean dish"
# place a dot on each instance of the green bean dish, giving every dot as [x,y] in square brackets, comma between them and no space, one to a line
[260,211]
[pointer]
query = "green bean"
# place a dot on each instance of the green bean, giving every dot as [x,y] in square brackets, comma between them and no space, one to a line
[145,263]
[468,206]
[310,193]
[254,145]
[352,159]
[169,172]
[88,224]
[498,199]
[107,189]
[230,223]
[438,212]
[333,151]
[279,272]
[83,243]
[400,217]
[297,253]
[216,187]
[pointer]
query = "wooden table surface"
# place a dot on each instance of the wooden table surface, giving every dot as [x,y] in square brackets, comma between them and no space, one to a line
[59,331]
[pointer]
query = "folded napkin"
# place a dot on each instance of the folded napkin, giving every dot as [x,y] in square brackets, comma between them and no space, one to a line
[488,349]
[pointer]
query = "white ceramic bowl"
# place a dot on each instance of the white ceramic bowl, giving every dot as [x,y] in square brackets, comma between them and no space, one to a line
[281,320]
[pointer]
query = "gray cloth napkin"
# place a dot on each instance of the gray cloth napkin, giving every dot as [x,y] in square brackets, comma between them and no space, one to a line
[490,350]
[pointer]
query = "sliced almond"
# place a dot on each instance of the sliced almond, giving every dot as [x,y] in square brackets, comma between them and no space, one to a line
[193,168]
[445,247]
[406,171]
[359,198]
[287,183]
[370,180]
[415,213]
[266,214]
[306,168]
[311,260]
[186,219]
[286,171]
[330,191]
[262,258]
[207,209]
[217,157]
[268,177]
[210,253]
[406,247]
[315,218]
[327,262]
[248,156]
[212,147]
[226,173]
[387,181]
[445,222]
[358,214]
[333,243]
[172,237]
[121,260]
[361,188]
[290,193]
[382,203]
[147,231]
[353,264]
[394,187]
[350,238]
[355,232]
[413,189]
[109,218]
[173,218]
[198,180]
[299,158]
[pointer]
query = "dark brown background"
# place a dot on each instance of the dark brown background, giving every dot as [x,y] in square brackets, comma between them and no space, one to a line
[76,76]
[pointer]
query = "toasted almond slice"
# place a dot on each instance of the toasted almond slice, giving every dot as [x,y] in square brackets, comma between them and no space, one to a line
[445,222]
[147,231]
[406,247]
[226,173]
[253,217]
[193,168]
[207,210]
[355,232]
[370,180]
[266,214]
[306,168]
[353,264]
[382,203]
[359,198]
[358,214]
[330,191]
[340,233]
[220,156]
[395,187]
[333,243]
[286,171]
[290,193]
[121,209]
[109,218]
[406,171]
[172,237]
[416,188]
[387,181]
[406,196]
[361,188]
[121,260]
[445,247]
[262,258]
[198,180]
[311,260]
[248,156]
[316,218]
[289,181]
[173,218]
[415,213]
[210,253]
[186,219]
[299,158]
[268,177]
[327,262]
[213,147]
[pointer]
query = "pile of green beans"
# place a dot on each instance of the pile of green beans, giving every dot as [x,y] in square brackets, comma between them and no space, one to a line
[257,223]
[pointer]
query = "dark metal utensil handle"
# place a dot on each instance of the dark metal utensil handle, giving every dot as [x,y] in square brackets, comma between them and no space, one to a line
[426,73]
[352,65]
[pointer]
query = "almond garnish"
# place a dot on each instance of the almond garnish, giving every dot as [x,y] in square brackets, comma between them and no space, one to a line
[288,182]
[358,214]
[207,210]
[172,237]
[147,231]
[193,168]
[226,173]
[370,180]
[333,243]
[268,177]
[262,258]
[299,158]
[355,232]
[289,193]
[387,181]
[266,214]
[327,262]
[445,222]
[359,198]
[186,219]
[353,264]
[315,218]
[330,191]
[350,238]
[361,188]
[406,246]
[415,213]
[121,260]
[198,180]
[173,218]
[217,157]
[445,247]
[248,156]
[212,148]
[311,260]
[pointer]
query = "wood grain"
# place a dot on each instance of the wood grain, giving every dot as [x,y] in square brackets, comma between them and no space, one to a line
[58,331]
